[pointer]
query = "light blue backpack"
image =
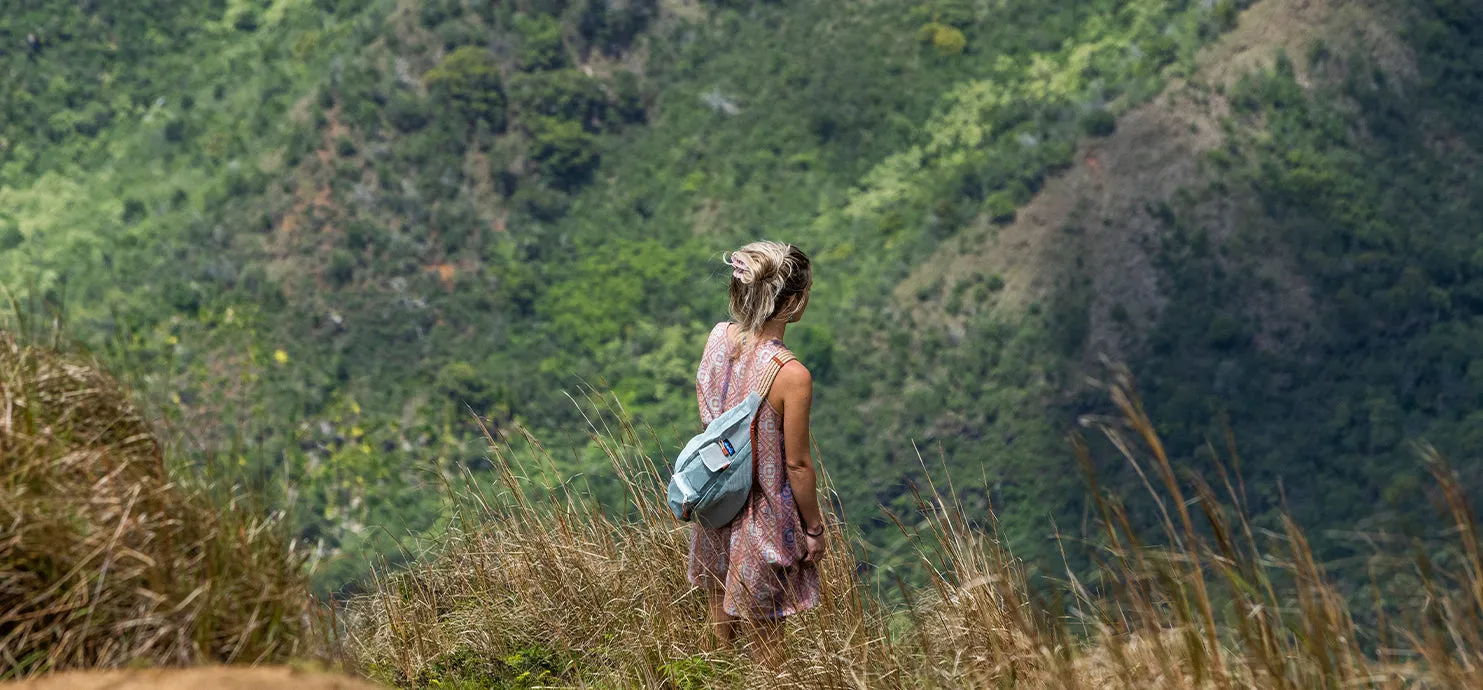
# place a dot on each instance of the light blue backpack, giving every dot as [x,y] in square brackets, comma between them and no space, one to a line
[714,473]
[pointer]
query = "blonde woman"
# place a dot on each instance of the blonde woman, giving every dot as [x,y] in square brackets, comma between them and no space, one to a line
[760,568]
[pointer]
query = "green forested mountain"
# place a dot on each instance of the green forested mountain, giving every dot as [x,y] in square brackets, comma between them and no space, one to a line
[320,232]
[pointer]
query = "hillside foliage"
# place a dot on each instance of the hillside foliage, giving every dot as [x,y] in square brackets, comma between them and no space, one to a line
[320,235]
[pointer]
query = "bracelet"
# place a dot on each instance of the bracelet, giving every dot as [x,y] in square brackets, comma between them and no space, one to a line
[819,533]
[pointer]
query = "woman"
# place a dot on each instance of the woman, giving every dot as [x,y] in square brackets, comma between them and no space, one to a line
[760,568]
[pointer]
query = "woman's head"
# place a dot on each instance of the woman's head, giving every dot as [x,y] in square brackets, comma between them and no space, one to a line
[769,281]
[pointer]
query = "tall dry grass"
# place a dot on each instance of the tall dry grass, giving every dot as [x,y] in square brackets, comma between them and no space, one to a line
[105,561]
[537,586]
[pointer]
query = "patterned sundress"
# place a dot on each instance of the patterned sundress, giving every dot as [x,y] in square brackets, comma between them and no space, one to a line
[757,560]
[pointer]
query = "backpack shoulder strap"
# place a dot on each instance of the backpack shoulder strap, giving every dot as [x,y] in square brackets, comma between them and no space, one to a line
[764,386]
[779,360]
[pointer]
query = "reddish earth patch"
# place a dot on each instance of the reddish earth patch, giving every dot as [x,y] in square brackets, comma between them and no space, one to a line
[446,273]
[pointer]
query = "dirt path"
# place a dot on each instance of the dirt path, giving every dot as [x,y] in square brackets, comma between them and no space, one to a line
[215,678]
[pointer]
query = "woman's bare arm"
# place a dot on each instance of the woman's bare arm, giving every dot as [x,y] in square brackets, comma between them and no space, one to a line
[792,395]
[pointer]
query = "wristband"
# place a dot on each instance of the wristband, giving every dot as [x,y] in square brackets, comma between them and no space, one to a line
[819,533]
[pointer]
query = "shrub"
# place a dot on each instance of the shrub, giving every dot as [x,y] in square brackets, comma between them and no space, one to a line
[1000,207]
[1161,50]
[10,236]
[94,118]
[1098,123]
[182,295]
[457,32]
[468,80]
[565,152]
[134,211]
[612,27]
[1226,13]
[435,12]
[246,21]
[407,112]
[956,13]
[947,39]
[106,559]
[628,98]
[342,267]
[1224,332]
[566,94]
[361,235]
[461,384]
[541,202]
[540,42]
[175,131]
[954,304]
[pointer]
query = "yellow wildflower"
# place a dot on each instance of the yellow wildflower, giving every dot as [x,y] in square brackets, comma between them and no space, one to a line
[280,356]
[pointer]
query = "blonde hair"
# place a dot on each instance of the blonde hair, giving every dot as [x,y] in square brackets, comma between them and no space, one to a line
[768,281]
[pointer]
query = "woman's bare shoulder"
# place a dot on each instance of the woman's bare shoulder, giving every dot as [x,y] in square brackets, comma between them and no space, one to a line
[794,376]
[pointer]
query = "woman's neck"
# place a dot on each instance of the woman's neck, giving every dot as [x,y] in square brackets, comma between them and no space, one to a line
[772,330]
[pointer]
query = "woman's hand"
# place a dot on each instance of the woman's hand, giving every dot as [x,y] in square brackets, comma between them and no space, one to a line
[813,547]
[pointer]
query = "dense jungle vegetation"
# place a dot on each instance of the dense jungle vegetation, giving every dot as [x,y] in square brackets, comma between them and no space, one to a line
[321,233]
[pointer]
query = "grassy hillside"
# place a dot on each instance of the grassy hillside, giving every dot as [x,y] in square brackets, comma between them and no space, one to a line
[540,589]
[321,233]
[120,568]
[114,555]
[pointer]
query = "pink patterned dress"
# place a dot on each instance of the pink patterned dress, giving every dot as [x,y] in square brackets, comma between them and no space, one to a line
[757,560]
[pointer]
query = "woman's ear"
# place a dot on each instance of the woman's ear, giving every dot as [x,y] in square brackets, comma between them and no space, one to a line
[802,307]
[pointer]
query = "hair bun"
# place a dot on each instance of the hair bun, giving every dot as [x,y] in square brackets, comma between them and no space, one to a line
[766,277]
[750,266]
[741,268]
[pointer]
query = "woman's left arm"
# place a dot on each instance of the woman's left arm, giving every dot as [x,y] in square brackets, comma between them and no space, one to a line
[792,394]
